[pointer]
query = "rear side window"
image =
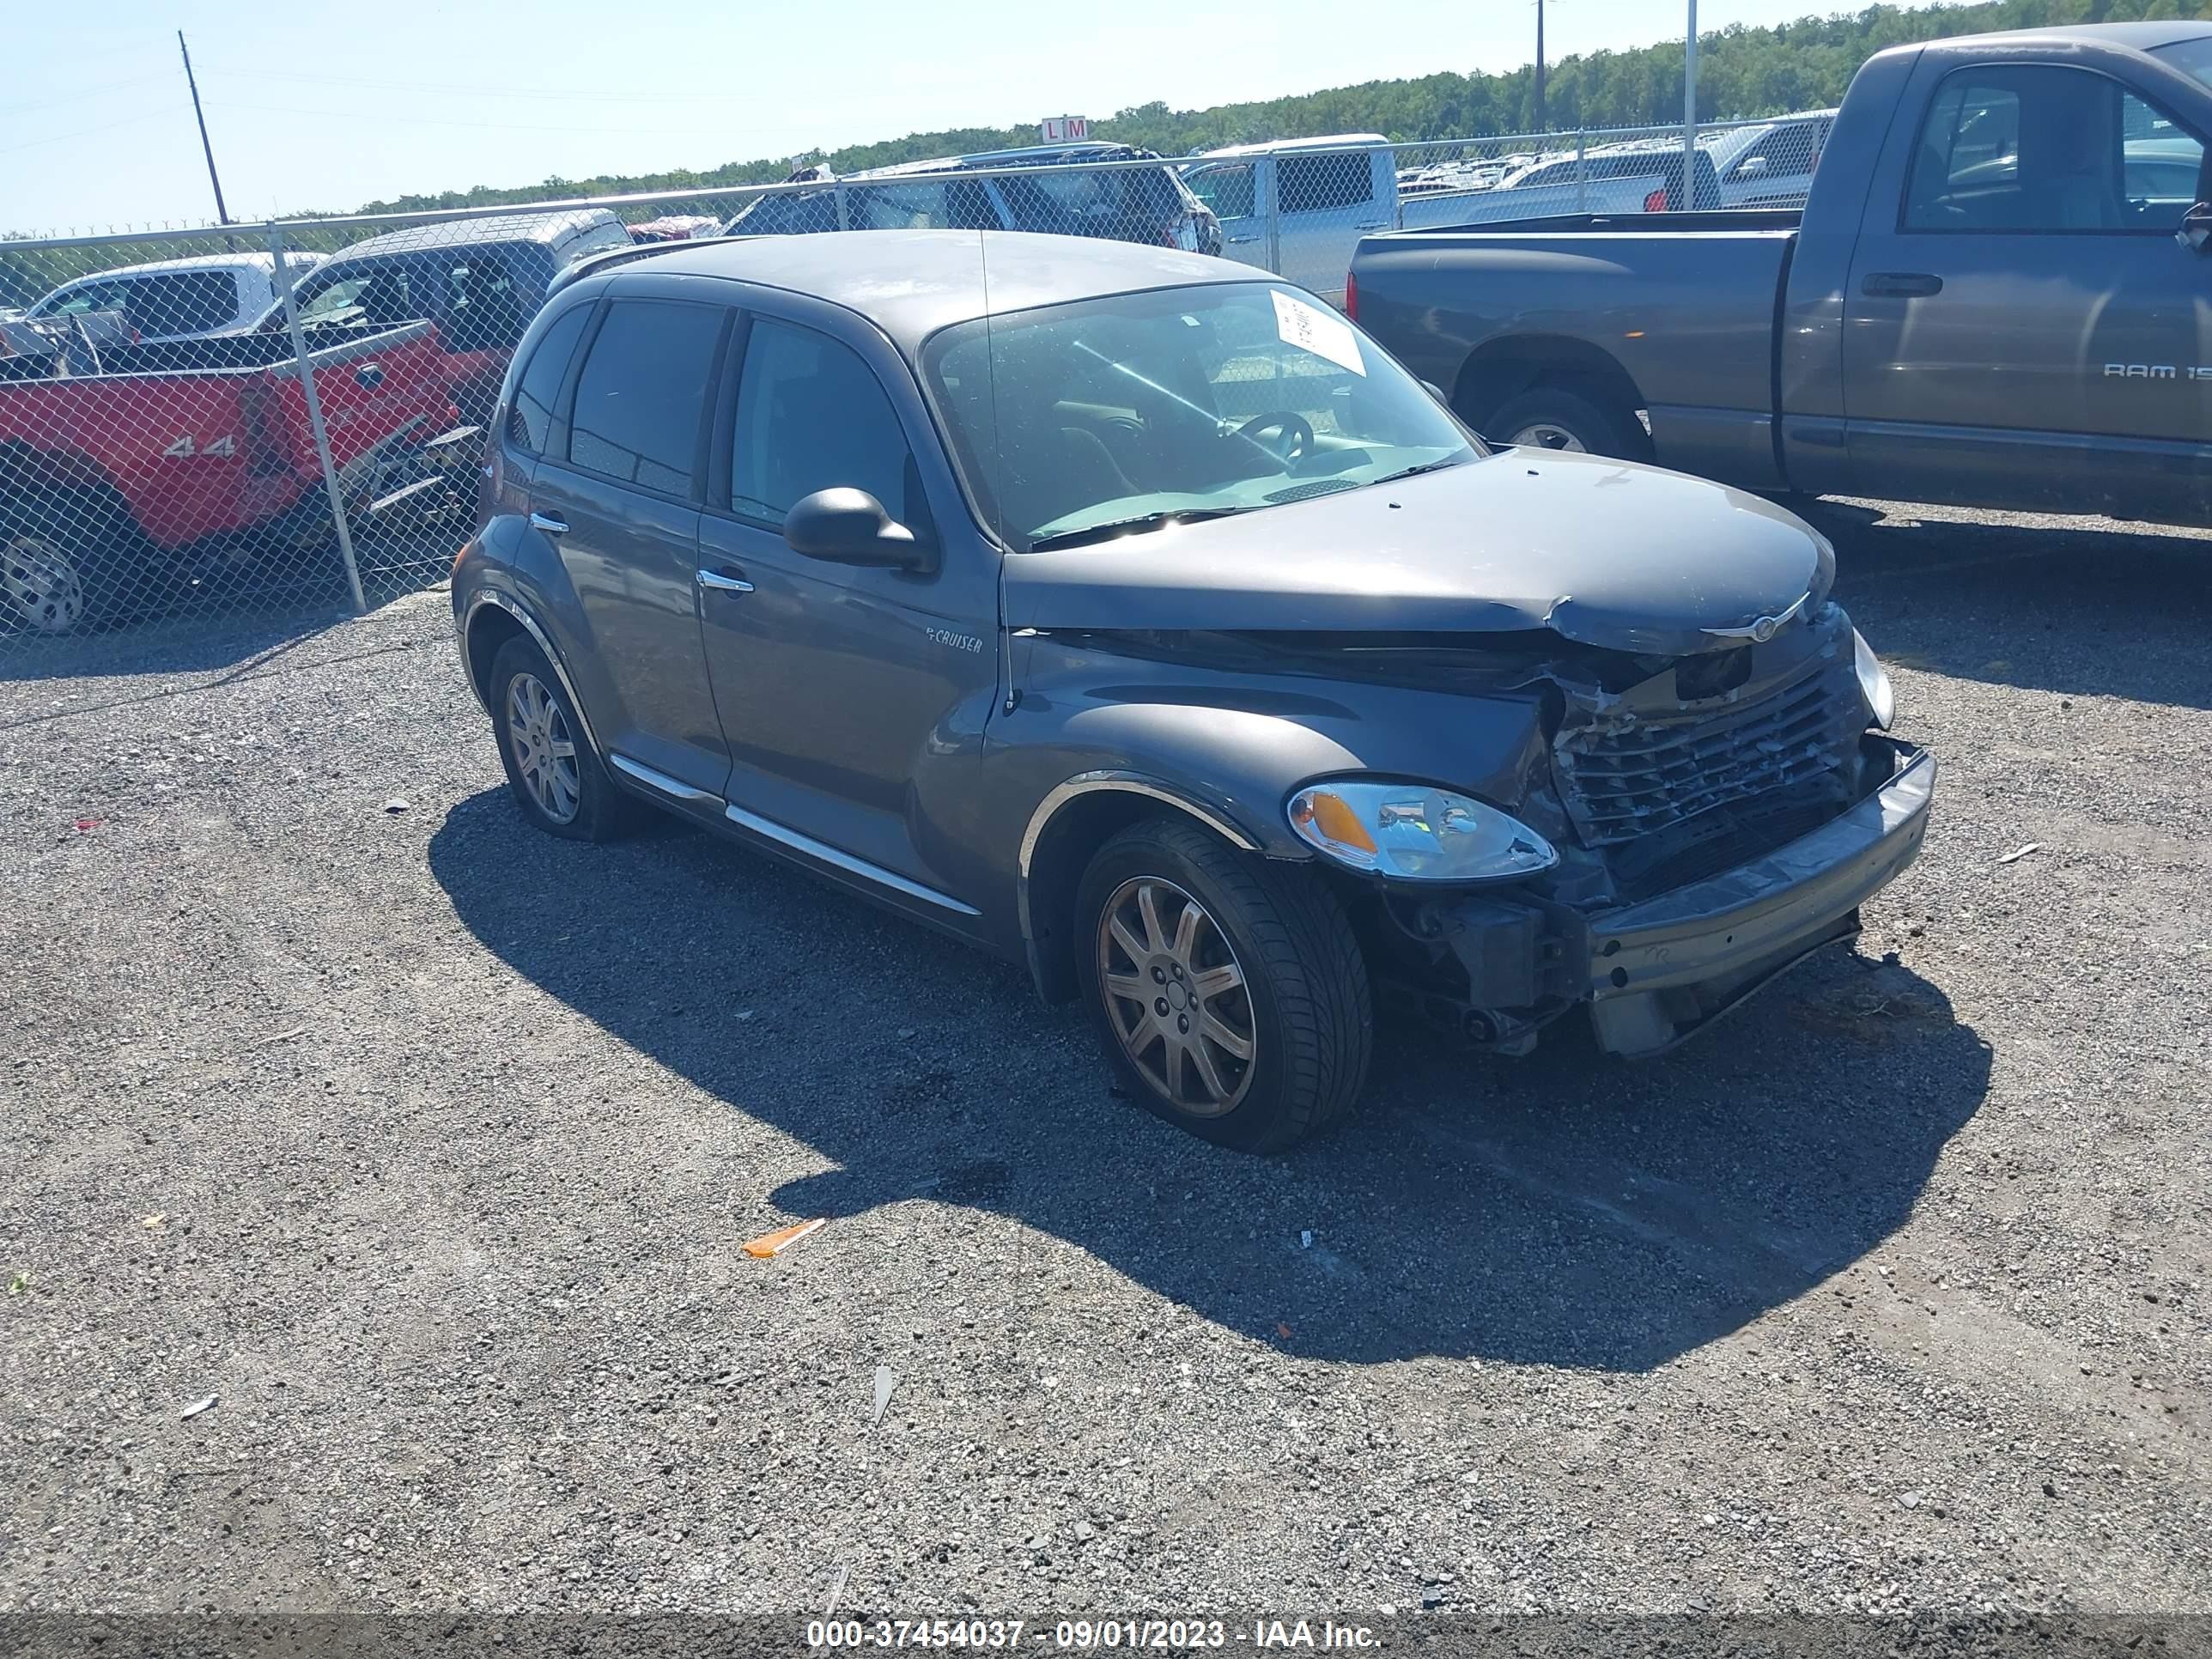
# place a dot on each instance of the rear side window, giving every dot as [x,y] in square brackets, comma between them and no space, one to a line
[643,389]
[1317,183]
[483,309]
[953,205]
[165,302]
[597,239]
[1136,204]
[812,415]
[531,419]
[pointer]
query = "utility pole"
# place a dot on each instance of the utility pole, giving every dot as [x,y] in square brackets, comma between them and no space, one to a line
[221,213]
[1539,123]
[1690,114]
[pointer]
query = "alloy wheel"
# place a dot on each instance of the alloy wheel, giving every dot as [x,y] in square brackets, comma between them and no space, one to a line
[41,586]
[1175,996]
[545,749]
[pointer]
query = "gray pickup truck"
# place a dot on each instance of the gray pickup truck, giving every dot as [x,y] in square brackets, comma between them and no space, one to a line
[1996,296]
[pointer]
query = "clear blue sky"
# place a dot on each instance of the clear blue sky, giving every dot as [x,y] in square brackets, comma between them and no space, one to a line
[328,106]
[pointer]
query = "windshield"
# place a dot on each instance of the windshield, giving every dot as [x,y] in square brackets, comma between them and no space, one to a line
[1136,410]
[2192,57]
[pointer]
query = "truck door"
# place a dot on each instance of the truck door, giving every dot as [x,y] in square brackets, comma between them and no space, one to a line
[1330,202]
[2023,327]
[1231,189]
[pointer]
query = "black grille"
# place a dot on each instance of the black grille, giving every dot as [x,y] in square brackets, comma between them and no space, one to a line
[1715,842]
[1650,776]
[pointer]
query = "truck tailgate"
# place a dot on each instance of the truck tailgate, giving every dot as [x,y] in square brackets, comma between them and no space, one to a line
[1687,314]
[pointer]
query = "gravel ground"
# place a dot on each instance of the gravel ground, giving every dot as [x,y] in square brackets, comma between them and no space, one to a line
[426,1146]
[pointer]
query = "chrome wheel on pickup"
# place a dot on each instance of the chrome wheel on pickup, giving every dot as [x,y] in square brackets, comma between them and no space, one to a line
[1547,434]
[1228,992]
[1567,422]
[1176,995]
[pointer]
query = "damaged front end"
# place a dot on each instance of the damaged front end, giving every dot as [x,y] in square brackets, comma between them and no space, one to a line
[1717,817]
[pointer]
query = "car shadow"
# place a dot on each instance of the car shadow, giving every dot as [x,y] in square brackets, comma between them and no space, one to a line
[1565,1210]
[2074,606]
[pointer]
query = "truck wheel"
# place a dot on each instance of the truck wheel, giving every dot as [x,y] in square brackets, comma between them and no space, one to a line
[555,775]
[1231,998]
[1552,417]
[67,562]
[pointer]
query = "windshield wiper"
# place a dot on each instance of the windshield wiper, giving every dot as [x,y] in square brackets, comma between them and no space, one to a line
[1091,532]
[1416,472]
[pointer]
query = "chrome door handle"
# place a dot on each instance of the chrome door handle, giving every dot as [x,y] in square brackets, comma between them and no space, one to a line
[724,583]
[549,523]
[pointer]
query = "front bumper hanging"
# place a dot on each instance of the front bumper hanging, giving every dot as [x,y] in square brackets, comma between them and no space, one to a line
[1661,969]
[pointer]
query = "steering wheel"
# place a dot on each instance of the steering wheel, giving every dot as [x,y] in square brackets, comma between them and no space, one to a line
[1298,433]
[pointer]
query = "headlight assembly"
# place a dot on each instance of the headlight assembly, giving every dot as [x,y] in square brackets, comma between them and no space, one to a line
[1874,682]
[1416,832]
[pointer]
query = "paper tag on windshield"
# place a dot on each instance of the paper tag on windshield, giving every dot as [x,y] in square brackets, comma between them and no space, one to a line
[1312,329]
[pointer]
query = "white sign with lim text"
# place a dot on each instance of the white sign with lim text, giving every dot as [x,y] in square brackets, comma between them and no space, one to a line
[1312,329]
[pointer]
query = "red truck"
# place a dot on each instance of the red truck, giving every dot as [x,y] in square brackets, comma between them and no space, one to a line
[171,458]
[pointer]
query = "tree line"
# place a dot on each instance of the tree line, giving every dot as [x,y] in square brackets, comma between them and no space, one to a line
[1741,72]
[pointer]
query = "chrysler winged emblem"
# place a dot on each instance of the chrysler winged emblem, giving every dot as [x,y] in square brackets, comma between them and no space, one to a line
[1759,630]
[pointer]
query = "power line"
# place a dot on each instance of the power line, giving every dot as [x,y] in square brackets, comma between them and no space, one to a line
[579,95]
[85,92]
[86,132]
[384,118]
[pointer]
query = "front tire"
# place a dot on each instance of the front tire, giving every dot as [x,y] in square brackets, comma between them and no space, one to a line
[1231,997]
[555,774]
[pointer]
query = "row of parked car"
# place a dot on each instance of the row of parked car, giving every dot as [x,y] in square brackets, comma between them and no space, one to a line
[150,421]
[1329,191]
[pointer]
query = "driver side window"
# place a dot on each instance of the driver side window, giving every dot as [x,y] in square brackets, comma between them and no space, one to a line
[812,415]
[2043,149]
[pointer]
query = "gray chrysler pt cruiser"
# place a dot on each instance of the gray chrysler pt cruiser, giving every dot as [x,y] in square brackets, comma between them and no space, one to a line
[1129,614]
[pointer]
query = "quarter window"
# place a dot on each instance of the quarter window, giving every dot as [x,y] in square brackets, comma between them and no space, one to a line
[812,415]
[642,390]
[531,419]
[1316,183]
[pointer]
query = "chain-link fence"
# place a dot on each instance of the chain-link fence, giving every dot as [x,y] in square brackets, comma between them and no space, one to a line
[266,417]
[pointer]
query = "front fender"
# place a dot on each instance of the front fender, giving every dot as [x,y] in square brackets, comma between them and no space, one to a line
[1096,740]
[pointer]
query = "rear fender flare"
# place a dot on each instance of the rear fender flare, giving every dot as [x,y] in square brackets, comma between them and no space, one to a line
[1507,365]
[488,608]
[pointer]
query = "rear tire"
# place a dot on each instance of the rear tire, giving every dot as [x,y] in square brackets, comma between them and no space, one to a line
[1266,965]
[1552,417]
[555,774]
[70,561]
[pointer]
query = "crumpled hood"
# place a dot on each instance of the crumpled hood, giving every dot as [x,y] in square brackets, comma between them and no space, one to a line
[1605,553]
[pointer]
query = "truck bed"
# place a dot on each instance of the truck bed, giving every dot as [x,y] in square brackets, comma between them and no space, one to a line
[1724,219]
[1673,314]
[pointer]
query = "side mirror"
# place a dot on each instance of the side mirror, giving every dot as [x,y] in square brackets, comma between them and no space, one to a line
[1752,167]
[2195,229]
[849,527]
[1435,391]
